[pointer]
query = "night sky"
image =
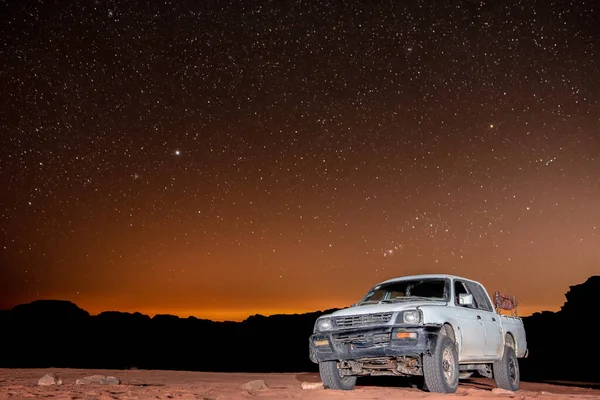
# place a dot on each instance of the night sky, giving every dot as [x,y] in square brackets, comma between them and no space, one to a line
[221,159]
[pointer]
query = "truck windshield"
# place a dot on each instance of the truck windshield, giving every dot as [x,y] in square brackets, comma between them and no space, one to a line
[410,289]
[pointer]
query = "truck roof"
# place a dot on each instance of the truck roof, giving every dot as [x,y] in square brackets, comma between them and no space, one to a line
[424,276]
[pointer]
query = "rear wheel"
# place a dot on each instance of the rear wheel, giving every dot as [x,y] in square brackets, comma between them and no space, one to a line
[506,370]
[440,369]
[330,375]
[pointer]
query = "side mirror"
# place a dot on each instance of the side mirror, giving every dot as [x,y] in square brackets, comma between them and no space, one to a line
[465,299]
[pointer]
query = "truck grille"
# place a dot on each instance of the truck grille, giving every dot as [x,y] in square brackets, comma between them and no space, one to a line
[363,338]
[362,320]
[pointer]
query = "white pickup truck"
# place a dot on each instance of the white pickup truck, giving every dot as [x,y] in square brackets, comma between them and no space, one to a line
[440,327]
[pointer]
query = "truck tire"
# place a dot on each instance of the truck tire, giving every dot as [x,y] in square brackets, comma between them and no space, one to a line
[440,369]
[506,370]
[330,375]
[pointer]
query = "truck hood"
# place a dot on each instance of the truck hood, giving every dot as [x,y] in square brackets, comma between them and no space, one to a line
[382,308]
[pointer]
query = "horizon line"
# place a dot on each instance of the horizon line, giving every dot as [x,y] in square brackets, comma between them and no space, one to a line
[239,315]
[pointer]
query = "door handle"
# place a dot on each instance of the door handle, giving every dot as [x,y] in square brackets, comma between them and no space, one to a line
[493,319]
[479,317]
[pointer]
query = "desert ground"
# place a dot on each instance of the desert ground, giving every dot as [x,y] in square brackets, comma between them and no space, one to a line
[142,384]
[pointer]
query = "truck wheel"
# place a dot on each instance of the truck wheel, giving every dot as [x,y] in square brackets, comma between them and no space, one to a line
[506,370]
[440,369]
[330,375]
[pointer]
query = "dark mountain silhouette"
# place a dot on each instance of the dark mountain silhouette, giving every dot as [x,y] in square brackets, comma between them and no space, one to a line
[51,310]
[51,333]
[563,344]
[582,297]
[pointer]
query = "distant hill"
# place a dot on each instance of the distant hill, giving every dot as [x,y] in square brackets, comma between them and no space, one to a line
[54,333]
[552,337]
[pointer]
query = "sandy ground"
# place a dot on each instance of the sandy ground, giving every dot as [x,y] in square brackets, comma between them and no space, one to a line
[139,384]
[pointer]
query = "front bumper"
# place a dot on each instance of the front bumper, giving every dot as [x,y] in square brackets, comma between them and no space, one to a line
[357,343]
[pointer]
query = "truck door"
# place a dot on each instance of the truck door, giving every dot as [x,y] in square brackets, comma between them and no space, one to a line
[472,330]
[490,319]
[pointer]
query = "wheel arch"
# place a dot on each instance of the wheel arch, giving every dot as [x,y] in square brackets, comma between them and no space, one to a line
[449,330]
[510,341]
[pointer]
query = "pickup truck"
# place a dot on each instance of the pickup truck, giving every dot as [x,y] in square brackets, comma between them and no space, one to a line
[435,328]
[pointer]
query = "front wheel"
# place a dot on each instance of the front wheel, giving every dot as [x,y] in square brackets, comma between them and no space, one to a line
[330,375]
[440,369]
[506,370]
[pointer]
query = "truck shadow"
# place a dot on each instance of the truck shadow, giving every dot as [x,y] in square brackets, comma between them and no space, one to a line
[367,381]
[388,381]
[478,383]
[533,385]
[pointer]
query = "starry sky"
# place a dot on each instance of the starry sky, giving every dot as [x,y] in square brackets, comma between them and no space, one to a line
[222,159]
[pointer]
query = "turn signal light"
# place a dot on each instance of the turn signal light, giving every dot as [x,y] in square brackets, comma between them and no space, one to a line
[406,335]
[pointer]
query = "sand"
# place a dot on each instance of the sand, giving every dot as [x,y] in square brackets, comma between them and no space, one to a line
[142,384]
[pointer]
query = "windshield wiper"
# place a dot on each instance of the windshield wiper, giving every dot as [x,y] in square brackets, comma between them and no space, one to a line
[382,301]
[395,300]
[420,298]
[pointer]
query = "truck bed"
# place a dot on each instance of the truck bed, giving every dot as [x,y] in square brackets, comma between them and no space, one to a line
[514,326]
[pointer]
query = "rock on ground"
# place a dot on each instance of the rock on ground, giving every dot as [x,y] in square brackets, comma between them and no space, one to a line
[312,385]
[49,380]
[98,380]
[503,391]
[254,385]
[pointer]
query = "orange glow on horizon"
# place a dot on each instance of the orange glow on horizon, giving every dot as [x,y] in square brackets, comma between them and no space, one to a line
[237,315]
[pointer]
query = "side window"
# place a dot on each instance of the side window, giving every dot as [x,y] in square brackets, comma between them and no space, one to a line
[481,299]
[460,288]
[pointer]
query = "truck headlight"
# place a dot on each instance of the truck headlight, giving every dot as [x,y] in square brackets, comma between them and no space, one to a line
[411,317]
[323,324]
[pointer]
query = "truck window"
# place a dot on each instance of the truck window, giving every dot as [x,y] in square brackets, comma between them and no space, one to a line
[460,288]
[481,299]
